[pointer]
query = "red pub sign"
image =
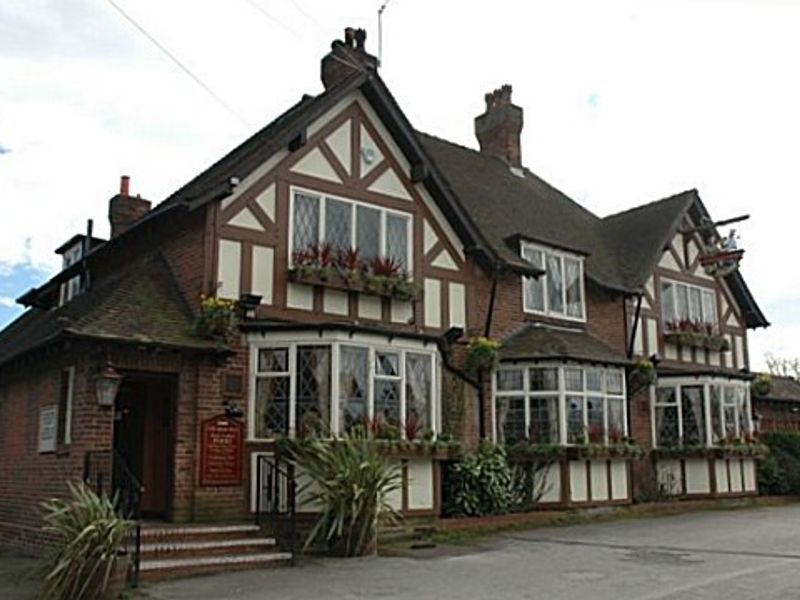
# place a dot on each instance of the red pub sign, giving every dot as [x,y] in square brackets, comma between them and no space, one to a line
[221,451]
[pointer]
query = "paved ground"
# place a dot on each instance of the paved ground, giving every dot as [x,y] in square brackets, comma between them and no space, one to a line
[731,555]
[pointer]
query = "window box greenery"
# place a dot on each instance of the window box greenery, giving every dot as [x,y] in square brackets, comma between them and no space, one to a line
[682,451]
[627,449]
[762,384]
[693,334]
[482,354]
[347,271]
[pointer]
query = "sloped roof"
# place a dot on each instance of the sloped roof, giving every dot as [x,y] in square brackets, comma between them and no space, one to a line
[542,342]
[139,304]
[785,389]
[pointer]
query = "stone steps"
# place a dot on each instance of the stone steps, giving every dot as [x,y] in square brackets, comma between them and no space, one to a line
[180,551]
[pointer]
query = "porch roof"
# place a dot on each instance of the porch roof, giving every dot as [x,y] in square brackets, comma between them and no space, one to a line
[140,304]
[542,342]
[783,389]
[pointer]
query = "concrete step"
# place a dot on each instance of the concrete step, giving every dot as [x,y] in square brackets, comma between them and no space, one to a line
[156,570]
[161,548]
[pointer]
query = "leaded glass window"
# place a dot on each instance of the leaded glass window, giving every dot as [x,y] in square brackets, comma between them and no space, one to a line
[353,386]
[510,419]
[533,286]
[418,390]
[544,420]
[543,379]
[595,419]
[559,291]
[368,232]
[313,385]
[692,414]
[338,224]
[397,239]
[667,432]
[305,221]
[575,430]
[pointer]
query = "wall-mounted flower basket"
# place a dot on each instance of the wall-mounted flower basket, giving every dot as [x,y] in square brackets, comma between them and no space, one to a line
[482,354]
[642,374]
[346,271]
[218,317]
[761,385]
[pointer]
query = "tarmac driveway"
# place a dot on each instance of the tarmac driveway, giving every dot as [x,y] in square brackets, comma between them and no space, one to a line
[731,555]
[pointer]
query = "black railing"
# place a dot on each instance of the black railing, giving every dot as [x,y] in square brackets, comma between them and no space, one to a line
[108,473]
[276,496]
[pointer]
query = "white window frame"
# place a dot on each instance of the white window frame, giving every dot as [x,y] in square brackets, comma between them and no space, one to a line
[72,287]
[354,204]
[562,393]
[675,317]
[335,340]
[561,255]
[706,383]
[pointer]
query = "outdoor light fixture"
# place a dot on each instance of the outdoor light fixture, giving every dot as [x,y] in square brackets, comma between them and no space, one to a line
[248,303]
[108,381]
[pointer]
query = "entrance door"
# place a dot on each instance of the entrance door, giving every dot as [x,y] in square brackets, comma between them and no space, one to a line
[143,436]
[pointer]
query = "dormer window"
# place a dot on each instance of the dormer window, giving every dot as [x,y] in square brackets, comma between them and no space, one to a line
[72,287]
[376,232]
[559,292]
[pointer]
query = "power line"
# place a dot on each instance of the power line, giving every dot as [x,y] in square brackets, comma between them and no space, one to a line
[180,65]
[272,18]
[305,13]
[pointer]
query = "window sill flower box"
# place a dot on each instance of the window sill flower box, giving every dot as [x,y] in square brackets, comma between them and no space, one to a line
[440,449]
[697,339]
[601,451]
[741,450]
[687,451]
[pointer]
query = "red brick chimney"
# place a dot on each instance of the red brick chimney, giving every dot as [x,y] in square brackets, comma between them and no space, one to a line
[498,129]
[124,209]
[347,57]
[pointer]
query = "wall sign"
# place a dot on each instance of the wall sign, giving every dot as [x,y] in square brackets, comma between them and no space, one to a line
[48,428]
[221,451]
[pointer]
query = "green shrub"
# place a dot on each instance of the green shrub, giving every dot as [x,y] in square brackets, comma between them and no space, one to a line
[350,481]
[779,472]
[481,484]
[89,536]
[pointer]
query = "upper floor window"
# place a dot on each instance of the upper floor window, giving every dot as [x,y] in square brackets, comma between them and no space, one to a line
[375,231]
[559,292]
[72,287]
[686,302]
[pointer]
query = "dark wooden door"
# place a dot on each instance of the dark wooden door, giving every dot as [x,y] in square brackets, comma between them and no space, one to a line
[143,438]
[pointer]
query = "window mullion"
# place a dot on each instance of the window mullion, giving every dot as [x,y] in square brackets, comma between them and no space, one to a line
[707,415]
[563,285]
[402,371]
[679,410]
[527,399]
[562,406]
[321,225]
[382,235]
[371,373]
[292,388]
[334,400]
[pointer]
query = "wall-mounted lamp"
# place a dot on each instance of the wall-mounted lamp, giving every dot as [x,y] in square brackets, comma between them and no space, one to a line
[108,381]
[248,303]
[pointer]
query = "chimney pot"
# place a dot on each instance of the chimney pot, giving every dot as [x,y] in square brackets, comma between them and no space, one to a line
[498,129]
[124,210]
[124,185]
[347,57]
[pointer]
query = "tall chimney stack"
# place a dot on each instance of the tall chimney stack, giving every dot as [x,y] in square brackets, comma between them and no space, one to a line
[346,57]
[124,210]
[498,129]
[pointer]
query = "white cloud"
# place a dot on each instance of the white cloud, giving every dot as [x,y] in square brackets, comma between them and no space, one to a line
[8,302]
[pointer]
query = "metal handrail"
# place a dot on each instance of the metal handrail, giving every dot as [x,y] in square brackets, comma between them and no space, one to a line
[129,503]
[272,486]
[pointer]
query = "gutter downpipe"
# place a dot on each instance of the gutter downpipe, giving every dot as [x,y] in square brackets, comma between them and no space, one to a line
[636,319]
[486,332]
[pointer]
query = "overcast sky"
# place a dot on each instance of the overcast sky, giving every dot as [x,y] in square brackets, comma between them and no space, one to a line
[625,102]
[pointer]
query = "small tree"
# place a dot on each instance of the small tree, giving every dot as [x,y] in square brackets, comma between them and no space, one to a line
[783,366]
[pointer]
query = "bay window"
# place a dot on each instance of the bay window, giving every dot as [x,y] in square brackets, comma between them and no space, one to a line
[686,302]
[559,404]
[322,387]
[559,291]
[377,232]
[700,412]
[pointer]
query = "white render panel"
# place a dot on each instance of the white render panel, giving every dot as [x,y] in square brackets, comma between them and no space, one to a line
[650,286]
[732,320]
[229,259]
[433,303]
[697,476]
[677,245]
[638,339]
[420,483]
[728,354]
[336,302]
[739,340]
[723,304]
[340,143]
[367,143]
[299,296]
[599,476]
[652,336]
[693,251]
[749,470]
[263,269]
[246,219]
[439,217]
[714,359]
[395,497]
[670,352]
[721,471]
[429,236]
[577,481]
[457,302]
[266,200]
[552,485]
[619,480]
[369,307]
[402,311]
[669,476]
[445,261]
[314,164]
[668,261]
[254,177]
[389,184]
[735,466]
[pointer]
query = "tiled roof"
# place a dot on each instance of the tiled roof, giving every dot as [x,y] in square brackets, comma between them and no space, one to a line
[139,304]
[542,342]
[785,389]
